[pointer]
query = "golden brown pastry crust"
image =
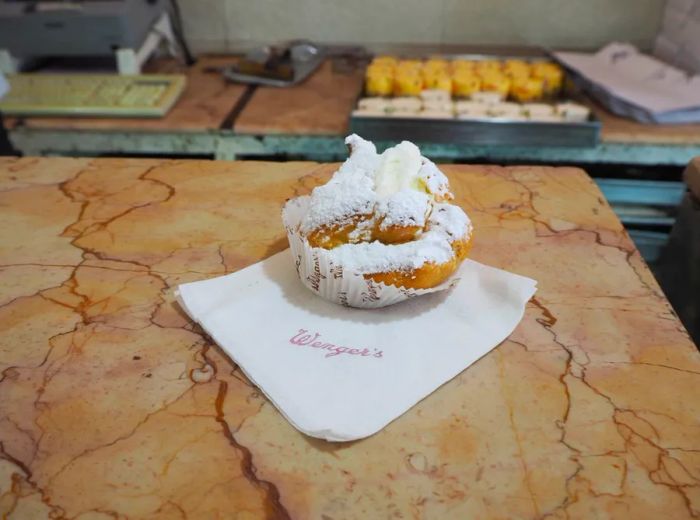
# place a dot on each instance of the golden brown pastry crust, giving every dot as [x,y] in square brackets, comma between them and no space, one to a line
[428,275]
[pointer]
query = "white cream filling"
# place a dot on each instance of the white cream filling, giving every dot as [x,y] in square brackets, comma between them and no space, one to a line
[398,170]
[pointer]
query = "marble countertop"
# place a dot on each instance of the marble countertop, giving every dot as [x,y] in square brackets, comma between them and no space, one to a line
[113,405]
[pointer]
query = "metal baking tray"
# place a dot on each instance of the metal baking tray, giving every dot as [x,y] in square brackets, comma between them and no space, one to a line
[306,57]
[478,132]
[482,132]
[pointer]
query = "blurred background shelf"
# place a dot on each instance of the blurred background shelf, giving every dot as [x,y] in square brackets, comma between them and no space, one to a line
[220,120]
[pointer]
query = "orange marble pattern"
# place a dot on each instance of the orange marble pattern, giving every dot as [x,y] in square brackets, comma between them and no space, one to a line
[113,405]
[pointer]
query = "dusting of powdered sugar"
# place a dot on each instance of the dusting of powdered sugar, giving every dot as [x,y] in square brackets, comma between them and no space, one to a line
[452,220]
[363,157]
[349,193]
[446,224]
[404,208]
[392,184]
[363,231]
[434,179]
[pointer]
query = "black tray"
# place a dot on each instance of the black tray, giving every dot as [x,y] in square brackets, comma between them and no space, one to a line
[478,132]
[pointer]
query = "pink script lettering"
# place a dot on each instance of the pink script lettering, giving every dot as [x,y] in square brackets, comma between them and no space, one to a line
[305,338]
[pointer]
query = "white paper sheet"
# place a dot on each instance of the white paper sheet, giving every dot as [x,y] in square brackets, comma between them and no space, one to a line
[4,86]
[340,373]
[636,78]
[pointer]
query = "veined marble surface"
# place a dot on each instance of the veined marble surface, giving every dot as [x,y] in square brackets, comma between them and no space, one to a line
[113,405]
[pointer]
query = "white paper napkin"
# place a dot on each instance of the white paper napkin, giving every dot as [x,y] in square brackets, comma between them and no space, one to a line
[340,373]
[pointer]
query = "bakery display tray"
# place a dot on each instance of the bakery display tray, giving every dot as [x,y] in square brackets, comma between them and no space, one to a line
[490,132]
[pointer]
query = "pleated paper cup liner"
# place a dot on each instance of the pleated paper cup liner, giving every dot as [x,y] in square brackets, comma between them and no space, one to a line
[332,281]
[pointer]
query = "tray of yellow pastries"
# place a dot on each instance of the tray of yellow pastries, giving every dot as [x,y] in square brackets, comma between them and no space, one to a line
[480,100]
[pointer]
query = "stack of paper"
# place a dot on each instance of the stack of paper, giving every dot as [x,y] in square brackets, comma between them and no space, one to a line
[635,85]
